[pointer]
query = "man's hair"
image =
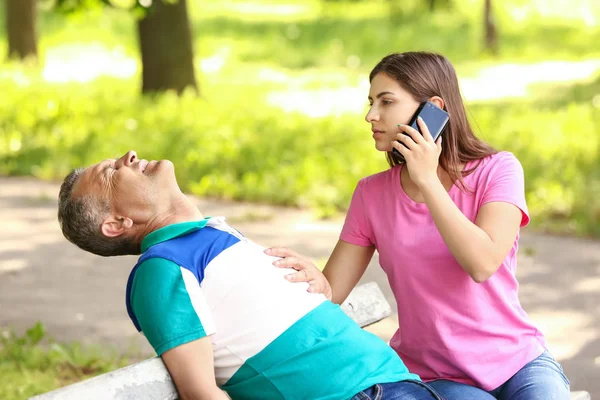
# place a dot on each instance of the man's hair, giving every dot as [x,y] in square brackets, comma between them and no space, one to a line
[80,218]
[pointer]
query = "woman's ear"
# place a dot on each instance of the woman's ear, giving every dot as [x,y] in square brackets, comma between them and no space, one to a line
[438,101]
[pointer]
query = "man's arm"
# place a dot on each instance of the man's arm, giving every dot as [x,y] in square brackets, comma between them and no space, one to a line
[192,370]
[173,314]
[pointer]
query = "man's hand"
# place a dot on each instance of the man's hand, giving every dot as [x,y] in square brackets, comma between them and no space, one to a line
[191,366]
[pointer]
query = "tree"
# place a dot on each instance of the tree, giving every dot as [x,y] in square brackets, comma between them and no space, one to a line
[433,4]
[165,42]
[491,32]
[21,29]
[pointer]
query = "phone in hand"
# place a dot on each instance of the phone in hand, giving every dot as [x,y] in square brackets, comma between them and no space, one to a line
[434,117]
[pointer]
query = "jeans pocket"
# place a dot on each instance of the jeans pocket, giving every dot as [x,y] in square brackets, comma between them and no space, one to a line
[378,392]
[431,390]
[375,392]
[361,396]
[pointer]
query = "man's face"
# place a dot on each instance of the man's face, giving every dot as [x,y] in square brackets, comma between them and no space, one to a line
[134,188]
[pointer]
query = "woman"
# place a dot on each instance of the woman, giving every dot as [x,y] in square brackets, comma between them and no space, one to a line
[446,225]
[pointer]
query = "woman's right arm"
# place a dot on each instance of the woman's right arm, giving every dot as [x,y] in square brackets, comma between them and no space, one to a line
[343,270]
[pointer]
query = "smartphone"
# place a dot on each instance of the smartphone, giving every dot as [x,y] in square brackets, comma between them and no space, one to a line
[434,117]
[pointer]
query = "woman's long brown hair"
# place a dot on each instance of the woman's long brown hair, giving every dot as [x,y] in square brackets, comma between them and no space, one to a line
[424,75]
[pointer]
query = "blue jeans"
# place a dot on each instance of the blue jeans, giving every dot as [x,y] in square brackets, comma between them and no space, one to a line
[403,390]
[541,379]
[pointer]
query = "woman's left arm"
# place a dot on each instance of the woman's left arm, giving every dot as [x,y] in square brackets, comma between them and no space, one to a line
[478,247]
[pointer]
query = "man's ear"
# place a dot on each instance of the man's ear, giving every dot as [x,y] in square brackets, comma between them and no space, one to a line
[116,225]
[438,101]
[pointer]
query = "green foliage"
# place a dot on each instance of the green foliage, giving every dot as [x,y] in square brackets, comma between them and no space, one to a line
[557,139]
[326,34]
[74,6]
[237,147]
[228,147]
[31,364]
[330,37]
[232,143]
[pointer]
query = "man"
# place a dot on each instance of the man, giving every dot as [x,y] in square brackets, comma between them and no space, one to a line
[211,303]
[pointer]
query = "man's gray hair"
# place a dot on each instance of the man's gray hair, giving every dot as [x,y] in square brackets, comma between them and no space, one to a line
[80,218]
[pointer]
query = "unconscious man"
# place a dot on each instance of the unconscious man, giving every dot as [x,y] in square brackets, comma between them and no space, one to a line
[212,305]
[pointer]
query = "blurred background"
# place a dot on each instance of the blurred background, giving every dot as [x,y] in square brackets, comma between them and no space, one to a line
[263,100]
[273,93]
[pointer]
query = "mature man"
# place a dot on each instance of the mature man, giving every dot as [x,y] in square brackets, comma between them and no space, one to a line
[210,301]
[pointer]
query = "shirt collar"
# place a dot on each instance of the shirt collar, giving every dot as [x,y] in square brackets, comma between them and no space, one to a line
[172,231]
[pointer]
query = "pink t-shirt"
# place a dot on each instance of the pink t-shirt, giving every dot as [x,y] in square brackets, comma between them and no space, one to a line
[450,326]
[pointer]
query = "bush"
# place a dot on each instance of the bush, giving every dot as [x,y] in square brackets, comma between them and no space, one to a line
[240,148]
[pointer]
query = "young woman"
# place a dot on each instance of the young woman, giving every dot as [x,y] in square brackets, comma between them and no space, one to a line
[446,225]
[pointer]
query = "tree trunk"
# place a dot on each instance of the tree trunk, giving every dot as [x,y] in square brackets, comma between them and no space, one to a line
[21,28]
[166,46]
[491,33]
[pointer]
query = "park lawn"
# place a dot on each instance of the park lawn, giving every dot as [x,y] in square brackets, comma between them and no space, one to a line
[32,364]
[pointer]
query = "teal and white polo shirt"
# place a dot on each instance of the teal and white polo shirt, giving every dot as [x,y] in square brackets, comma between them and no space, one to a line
[271,338]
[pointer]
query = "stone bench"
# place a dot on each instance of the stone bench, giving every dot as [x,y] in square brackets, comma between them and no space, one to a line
[150,380]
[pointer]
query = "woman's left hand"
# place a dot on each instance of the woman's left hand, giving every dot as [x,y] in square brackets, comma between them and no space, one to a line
[421,152]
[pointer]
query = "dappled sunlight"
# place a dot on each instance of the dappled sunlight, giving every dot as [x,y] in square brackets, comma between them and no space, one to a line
[18,77]
[251,8]
[590,285]
[513,80]
[13,265]
[491,83]
[321,102]
[251,11]
[583,12]
[315,103]
[85,62]
[216,62]
[580,326]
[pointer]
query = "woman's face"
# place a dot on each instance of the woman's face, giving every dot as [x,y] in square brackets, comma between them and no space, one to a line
[390,105]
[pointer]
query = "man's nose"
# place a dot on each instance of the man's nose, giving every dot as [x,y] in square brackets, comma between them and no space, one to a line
[128,158]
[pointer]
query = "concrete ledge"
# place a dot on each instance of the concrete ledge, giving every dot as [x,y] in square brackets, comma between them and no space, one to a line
[580,396]
[148,379]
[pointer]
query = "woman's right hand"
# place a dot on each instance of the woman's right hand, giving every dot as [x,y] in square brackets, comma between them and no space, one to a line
[306,271]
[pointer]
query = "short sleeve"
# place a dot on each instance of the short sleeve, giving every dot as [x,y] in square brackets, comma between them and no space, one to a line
[169,305]
[506,183]
[357,228]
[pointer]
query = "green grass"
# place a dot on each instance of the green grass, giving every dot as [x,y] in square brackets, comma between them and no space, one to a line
[32,364]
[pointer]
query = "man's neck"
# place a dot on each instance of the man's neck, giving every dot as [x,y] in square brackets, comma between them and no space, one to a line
[181,210]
